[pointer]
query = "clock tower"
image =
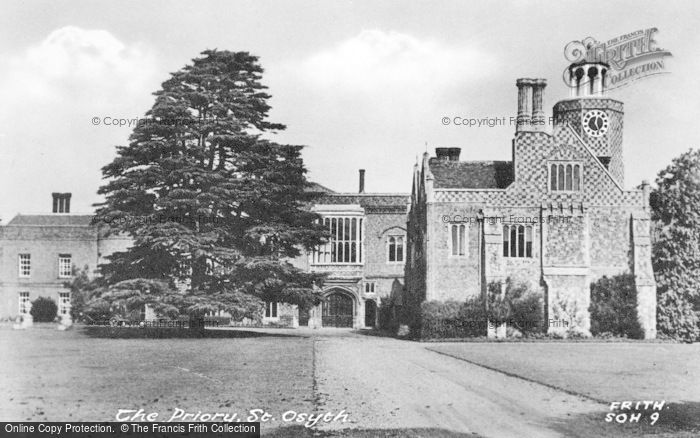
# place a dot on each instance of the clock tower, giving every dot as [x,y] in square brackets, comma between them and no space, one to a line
[596,118]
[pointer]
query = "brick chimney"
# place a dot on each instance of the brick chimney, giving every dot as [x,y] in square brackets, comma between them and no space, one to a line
[448,154]
[530,111]
[453,153]
[538,119]
[362,180]
[61,202]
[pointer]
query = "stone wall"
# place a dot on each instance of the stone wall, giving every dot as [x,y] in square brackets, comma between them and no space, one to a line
[44,244]
[452,277]
[568,300]
[378,228]
[599,230]
[610,239]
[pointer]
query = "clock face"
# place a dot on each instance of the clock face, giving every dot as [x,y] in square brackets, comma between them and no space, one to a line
[595,123]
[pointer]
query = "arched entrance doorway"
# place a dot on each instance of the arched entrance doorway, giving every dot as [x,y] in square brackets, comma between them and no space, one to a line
[338,309]
[370,313]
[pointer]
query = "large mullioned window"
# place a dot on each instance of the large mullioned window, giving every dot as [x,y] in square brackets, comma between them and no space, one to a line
[517,240]
[565,177]
[345,244]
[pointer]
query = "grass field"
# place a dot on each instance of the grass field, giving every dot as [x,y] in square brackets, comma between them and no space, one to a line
[603,371]
[606,372]
[62,376]
[49,375]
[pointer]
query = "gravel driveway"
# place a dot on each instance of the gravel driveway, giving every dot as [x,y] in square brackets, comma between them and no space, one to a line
[389,384]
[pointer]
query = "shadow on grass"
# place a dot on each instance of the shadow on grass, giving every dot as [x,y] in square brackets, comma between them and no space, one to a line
[170,333]
[674,420]
[304,432]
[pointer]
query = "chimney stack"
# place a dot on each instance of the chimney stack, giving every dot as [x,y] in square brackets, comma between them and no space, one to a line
[524,108]
[362,180]
[448,154]
[453,153]
[61,202]
[441,154]
[538,120]
[530,110]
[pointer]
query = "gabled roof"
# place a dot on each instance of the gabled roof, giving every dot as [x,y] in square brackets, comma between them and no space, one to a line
[315,187]
[471,174]
[592,155]
[366,199]
[72,220]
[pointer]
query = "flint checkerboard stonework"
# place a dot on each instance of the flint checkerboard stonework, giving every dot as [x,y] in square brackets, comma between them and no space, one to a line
[577,235]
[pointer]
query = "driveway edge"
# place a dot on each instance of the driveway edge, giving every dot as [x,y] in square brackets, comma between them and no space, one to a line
[517,376]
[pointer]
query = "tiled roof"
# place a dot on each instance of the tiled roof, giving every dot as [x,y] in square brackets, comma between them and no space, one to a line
[74,220]
[366,199]
[317,188]
[471,174]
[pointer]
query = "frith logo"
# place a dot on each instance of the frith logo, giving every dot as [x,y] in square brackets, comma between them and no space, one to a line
[631,56]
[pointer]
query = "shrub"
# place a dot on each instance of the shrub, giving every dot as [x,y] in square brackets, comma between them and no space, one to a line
[516,304]
[498,309]
[452,319]
[438,319]
[512,332]
[613,307]
[44,309]
[81,288]
[527,312]
[519,306]
[97,311]
[387,316]
[576,332]
[557,335]
[537,335]
[473,311]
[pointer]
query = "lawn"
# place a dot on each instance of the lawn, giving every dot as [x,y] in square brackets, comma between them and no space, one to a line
[606,372]
[49,375]
[602,371]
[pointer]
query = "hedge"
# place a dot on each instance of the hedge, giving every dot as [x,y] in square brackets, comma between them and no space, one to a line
[517,306]
[613,307]
[452,319]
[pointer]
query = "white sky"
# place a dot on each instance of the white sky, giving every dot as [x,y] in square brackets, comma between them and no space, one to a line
[364,84]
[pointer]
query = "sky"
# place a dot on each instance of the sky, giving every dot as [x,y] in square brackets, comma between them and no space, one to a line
[361,84]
